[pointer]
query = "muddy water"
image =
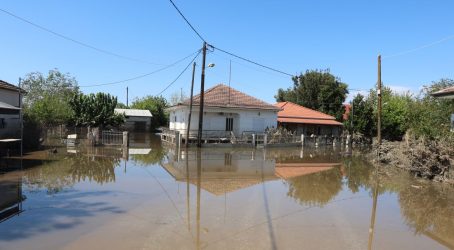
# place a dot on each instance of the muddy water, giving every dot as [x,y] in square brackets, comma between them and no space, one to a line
[154,197]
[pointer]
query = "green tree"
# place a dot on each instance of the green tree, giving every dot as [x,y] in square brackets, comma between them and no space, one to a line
[430,116]
[95,110]
[47,98]
[317,89]
[156,105]
[361,118]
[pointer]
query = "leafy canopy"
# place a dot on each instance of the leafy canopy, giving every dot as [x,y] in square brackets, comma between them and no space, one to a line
[317,89]
[95,110]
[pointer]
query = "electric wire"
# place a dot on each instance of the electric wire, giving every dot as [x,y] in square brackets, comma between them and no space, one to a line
[420,48]
[178,77]
[250,61]
[76,41]
[187,21]
[143,75]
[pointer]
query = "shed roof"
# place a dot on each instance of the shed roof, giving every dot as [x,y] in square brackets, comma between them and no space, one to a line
[445,93]
[7,106]
[227,97]
[294,113]
[9,86]
[134,112]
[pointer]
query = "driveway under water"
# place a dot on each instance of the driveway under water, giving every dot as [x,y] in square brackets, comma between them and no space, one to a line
[156,197]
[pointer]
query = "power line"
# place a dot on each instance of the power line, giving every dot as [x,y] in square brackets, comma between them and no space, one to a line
[141,76]
[178,77]
[420,48]
[250,61]
[190,25]
[76,41]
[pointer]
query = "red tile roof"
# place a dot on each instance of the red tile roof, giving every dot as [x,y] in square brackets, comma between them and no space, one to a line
[9,86]
[290,170]
[224,96]
[444,92]
[347,110]
[294,113]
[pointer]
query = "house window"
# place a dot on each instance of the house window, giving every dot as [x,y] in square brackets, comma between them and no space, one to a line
[229,124]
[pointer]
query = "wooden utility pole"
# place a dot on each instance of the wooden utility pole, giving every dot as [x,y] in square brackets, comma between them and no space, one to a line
[202,90]
[379,102]
[127,97]
[190,106]
[21,120]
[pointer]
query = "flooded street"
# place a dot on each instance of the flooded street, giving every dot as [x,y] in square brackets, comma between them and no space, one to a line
[155,197]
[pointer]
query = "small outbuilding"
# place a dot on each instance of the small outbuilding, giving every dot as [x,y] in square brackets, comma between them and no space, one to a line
[447,93]
[138,120]
[306,121]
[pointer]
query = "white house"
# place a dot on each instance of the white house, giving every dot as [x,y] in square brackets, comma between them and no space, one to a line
[136,119]
[10,102]
[226,110]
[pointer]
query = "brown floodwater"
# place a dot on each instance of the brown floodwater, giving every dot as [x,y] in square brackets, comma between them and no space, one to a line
[156,197]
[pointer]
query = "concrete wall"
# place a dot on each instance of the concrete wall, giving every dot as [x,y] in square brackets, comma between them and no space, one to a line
[215,119]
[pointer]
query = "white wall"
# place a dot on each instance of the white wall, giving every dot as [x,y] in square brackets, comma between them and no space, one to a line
[214,119]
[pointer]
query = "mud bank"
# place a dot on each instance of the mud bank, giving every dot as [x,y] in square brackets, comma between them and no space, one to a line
[433,160]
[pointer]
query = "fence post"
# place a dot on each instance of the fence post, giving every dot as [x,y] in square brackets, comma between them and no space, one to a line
[125,139]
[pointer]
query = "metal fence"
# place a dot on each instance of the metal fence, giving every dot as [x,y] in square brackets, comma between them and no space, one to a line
[112,138]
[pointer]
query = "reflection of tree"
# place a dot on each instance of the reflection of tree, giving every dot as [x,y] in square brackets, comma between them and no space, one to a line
[359,174]
[54,176]
[98,169]
[429,209]
[316,189]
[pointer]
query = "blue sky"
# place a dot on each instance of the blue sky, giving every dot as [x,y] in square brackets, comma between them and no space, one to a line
[292,36]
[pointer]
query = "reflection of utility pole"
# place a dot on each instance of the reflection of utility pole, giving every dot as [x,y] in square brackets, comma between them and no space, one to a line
[374,210]
[379,102]
[199,177]
[190,106]
[187,190]
[202,90]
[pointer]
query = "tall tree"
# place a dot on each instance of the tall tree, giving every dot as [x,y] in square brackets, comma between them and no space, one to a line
[361,117]
[95,110]
[317,89]
[156,105]
[47,98]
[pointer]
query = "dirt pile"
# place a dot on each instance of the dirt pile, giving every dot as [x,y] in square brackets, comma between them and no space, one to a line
[425,158]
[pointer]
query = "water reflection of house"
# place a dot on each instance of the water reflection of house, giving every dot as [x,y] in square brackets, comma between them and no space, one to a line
[222,171]
[226,110]
[306,121]
[10,197]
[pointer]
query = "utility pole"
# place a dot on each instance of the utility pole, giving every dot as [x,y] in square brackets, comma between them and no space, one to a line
[202,90]
[127,97]
[379,102]
[190,106]
[230,77]
[21,120]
